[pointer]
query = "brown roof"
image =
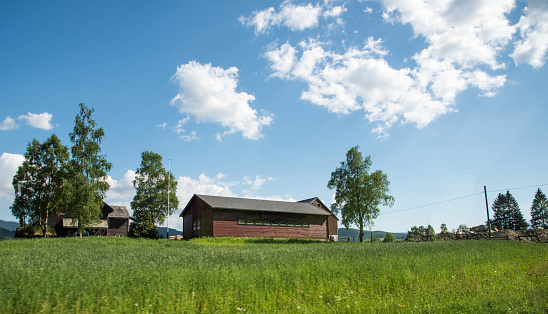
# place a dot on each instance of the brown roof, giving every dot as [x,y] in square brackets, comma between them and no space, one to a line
[222,202]
[115,211]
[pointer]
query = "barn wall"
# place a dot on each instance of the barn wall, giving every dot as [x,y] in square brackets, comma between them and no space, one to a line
[200,211]
[118,226]
[225,223]
[187,225]
[333,228]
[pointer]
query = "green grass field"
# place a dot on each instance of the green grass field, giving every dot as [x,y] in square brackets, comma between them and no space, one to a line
[235,275]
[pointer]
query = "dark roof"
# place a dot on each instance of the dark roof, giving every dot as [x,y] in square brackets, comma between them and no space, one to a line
[116,211]
[222,202]
[322,205]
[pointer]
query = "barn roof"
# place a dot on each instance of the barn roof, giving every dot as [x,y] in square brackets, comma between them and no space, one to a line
[116,211]
[316,199]
[221,202]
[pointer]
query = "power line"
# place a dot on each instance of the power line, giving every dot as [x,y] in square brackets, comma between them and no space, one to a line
[523,187]
[436,203]
[458,198]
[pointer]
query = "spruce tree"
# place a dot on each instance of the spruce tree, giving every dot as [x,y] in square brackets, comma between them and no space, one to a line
[506,213]
[539,211]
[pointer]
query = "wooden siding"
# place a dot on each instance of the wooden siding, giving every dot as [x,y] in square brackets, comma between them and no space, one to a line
[200,211]
[333,229]
[118,227]
[225,224]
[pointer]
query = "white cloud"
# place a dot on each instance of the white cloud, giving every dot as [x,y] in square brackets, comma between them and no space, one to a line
[533,27]
[122,189]
[39,121]
[8,167]
[295,17]
[162,126]
[360,79]
[209,94]
[181,131]
[217,186]
[272,198]
[8,124]
[464,42]
[466,32]
[257,182]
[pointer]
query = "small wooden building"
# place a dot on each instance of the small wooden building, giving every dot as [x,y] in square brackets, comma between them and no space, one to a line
[114,222]
[218,216]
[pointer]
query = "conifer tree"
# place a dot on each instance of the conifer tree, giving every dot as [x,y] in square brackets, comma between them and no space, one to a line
[506,213]
[539,211]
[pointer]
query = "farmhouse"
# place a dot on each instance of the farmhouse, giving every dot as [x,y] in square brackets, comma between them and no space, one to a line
[114,222]
[217,216]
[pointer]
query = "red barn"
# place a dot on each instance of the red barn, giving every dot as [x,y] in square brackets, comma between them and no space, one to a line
[218,216]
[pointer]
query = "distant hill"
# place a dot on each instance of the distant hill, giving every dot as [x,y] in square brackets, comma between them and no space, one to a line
[10,225]
[172,232]
[6,234]
[351,232]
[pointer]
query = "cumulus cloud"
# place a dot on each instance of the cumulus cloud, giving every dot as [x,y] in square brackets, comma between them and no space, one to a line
[8,124]
[467,33]
[35,120]
[359,79]
[39,121]
[216,185]
[257,182]
[209,94]
[464,41]
[122,189]
[533,28]
[295,17]
[8,167]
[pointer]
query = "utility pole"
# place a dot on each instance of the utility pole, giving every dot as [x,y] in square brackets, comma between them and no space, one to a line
[487,207]
[168,179]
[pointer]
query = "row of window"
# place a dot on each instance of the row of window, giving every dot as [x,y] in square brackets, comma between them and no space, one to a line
[256,222]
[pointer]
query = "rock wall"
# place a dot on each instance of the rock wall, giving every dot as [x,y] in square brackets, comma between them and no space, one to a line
[530,235]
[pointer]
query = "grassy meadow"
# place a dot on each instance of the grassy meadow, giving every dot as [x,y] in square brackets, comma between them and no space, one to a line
[85,275]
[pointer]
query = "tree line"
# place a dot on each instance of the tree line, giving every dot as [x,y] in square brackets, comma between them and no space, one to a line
[506,215]
[54,180]
[359,193]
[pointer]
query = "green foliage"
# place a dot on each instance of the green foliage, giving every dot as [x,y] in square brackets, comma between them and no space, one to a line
[358,193]
[506,213]
[38,182]
[86,185]
[443,228]
[539,211]
[229,275]
[388,238]
[150,204]
[32,231]
[422,231]
[463,227]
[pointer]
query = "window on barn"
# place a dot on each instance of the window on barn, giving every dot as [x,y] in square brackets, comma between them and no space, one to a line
[255,222]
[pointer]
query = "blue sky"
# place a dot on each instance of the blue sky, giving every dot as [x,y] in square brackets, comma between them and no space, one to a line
[264,99]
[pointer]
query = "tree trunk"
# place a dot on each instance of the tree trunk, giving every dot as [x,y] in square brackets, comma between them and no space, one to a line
[46,224]
[361,231]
